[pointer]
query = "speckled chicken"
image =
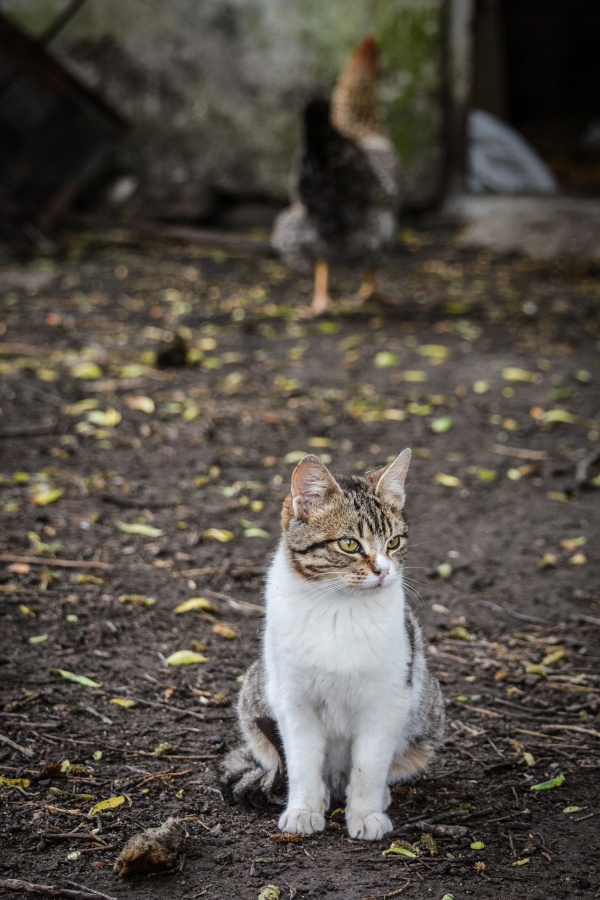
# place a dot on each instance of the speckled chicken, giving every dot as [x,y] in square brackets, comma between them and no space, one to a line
[345,186]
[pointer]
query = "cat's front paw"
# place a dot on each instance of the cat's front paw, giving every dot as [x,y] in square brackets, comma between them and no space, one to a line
[301,821]
[370,827]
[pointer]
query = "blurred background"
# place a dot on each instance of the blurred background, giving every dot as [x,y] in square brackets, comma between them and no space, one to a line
[178,111]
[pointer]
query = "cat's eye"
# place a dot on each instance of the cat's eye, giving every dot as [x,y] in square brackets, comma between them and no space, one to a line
[349,545]
[394,542]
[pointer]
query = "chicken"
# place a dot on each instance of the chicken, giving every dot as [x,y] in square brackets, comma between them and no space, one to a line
[345,186]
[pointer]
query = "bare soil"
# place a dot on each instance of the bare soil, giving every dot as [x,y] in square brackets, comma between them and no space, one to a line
[486,366]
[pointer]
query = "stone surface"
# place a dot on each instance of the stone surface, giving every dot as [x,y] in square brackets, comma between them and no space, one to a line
[540,227]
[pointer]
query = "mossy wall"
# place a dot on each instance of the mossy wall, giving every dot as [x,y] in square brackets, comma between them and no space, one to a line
[214,89]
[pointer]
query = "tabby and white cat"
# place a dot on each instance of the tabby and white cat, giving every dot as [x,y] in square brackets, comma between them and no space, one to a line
[342,700]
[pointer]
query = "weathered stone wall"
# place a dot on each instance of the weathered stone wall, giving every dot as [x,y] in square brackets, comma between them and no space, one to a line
[214,88]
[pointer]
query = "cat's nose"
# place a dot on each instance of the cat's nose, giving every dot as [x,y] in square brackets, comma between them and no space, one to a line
[381,569]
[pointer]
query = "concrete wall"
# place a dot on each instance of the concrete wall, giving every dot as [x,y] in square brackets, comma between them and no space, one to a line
[214,88]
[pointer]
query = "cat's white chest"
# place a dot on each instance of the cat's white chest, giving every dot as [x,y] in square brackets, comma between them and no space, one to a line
[321,634]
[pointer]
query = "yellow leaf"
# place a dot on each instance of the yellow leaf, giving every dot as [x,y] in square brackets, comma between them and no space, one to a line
[224,631]
[15,782]
[142,404]
[125,702]
[86,370]
[521,862]
[38,639]
[534,669]
[512,373]
[137,600]
[218,534]
[477,845]
[185,658]
[107,419]
[552,658]
[448,480]
[139,528]
[194,603]
[270,892]
[46,495]
[111,803]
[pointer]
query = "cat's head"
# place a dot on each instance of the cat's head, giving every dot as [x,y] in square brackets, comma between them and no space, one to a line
[351,531]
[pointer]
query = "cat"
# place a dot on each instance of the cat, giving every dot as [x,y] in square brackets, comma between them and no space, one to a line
[341,700]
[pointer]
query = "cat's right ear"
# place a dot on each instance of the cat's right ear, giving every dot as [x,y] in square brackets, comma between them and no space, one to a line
[312,486]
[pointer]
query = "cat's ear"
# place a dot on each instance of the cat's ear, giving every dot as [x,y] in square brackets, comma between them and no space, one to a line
[312,486]
[390,485]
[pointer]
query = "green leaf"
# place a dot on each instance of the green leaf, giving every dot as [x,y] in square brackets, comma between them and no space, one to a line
[448,480]
[185,658]
[140,528]
[38,639]
[78,679]
[548,785]
[137,600]
[551,416]
[477,845]
[384,358]
[256,533]
[15,782]
[399,851]
[441,425]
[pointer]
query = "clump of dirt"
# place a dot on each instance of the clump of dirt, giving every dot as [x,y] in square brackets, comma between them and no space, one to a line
[140,506]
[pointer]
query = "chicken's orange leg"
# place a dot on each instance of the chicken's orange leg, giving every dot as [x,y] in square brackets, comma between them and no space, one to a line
[321,299]
[368,287]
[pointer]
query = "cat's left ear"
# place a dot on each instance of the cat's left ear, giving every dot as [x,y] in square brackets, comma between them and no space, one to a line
[390,485]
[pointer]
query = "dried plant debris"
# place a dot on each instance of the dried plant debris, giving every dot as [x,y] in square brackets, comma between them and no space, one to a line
[156,851]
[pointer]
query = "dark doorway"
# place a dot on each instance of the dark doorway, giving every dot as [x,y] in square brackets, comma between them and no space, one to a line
[537,66]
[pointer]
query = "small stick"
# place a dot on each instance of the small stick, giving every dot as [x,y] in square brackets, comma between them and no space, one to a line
[513,612]
[58,563]
[51,890]
[519,452]
[389,894]
[163,775]
[242,605]
[216,570]
[24,750]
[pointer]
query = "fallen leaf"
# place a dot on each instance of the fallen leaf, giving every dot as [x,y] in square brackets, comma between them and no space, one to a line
[111,803]
[142,404]
[384,358]
[477,845]
[224,631]
[15,782]
[294,456]
[44,496]
[138,600]
[86,370]
[573,809]
[447,480]
[107,419]
[140,528]
[38,639]
[195,603]
[552,658]
[270,892]
[512,373]
[441,425]
[548,785]
[521,862]
[78,679]
[552,416]
[218,534]
[185,658]
[125,702]
[256,533]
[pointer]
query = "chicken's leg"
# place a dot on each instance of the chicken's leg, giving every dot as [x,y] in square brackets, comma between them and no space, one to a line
[368,287]
[321,299]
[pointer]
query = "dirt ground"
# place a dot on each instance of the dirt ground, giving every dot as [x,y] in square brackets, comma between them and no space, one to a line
[128,487]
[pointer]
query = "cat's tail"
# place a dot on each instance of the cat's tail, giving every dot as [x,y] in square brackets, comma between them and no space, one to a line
[250,783]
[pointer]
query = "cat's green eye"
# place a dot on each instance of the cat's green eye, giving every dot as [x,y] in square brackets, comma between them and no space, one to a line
[349,545]
[394,543]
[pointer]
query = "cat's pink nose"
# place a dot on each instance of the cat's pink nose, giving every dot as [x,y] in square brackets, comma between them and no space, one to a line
[381,569]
